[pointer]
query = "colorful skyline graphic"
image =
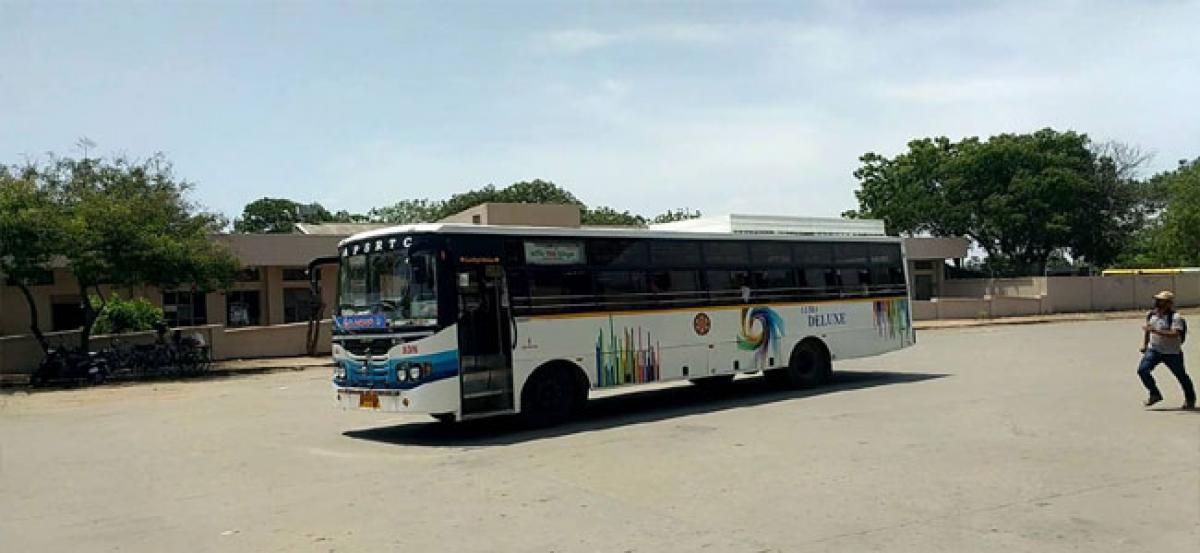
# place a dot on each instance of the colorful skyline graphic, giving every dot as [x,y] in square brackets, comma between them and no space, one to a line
[628,357]
[891,319]
[761,332]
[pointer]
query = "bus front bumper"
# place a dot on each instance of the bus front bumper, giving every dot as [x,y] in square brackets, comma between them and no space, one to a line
[435,397]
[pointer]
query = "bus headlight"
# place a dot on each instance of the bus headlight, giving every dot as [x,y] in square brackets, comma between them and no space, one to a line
[339,372]
[414,372]
[402,372]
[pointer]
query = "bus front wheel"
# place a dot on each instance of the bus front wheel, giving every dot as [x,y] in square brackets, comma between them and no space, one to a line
[549,397]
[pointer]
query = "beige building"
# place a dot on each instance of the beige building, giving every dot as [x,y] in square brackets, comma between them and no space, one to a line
[272,289]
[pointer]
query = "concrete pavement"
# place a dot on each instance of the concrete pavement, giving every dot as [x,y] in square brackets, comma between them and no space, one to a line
[1000,438]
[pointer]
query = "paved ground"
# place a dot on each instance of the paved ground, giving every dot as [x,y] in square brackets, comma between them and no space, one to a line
[1012,438]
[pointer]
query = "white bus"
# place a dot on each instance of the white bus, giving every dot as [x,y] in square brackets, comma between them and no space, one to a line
[468,321]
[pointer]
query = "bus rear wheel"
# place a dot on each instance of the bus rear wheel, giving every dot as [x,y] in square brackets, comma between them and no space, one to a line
[809,365]
[549,397]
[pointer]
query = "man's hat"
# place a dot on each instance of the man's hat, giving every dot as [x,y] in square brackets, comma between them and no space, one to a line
[1165,295]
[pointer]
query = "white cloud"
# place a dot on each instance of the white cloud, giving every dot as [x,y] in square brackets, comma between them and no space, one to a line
[578,40]
[575,40]
[977,89]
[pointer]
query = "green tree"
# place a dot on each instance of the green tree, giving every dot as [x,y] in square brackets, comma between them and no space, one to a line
[1020,197]
[605,216]
[126,223]
[677,214]
[30,232]
[1173,238]
[536,191]
[407,212]
[280,215]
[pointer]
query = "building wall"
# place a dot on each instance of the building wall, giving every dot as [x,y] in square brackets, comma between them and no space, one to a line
[1037,295]
[539,215]
[14,311]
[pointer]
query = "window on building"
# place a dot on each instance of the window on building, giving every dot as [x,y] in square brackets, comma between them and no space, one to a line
[248,274]
[299,305]
[66,313]
[243,308]
[295,274]
[184,308]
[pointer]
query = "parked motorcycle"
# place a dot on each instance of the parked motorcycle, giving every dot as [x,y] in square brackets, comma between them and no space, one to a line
[67,365]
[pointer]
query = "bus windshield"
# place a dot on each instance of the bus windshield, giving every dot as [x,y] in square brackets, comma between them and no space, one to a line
[399,284]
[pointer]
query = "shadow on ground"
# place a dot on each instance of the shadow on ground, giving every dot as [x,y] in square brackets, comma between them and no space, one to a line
[625,409]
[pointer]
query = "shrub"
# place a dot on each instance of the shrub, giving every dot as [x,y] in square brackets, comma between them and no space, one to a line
[126,315]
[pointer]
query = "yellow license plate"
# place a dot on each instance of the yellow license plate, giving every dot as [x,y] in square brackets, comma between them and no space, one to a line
[368,400]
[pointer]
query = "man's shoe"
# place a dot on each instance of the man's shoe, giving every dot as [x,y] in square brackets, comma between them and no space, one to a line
[1188,406]
[1152,400]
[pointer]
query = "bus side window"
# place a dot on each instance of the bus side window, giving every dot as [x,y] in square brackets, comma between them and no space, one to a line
[815,259]
[725,285]
[518,291]
[672,288]
[554,290]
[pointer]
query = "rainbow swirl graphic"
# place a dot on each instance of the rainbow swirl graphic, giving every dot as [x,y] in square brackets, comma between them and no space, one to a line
[762,330]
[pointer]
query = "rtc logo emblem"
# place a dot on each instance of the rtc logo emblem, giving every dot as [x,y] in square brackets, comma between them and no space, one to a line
[701,324]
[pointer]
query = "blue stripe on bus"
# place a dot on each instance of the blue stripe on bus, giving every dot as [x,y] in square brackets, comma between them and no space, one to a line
[383,374]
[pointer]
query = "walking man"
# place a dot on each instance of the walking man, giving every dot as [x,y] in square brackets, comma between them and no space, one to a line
[1165,330]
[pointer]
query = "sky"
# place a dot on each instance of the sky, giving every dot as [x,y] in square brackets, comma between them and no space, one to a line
[744,107]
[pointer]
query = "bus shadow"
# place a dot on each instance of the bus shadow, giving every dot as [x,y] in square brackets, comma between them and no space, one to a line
[625,409]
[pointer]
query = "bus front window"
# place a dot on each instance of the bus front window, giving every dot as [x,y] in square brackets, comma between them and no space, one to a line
[398,284]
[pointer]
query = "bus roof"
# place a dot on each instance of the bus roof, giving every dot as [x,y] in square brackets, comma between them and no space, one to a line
[1172,271]
[601,232]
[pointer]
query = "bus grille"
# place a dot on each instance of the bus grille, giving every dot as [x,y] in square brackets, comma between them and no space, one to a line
[368,346]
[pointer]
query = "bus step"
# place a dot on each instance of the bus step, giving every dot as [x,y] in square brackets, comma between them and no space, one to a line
[484,393]
[469,416]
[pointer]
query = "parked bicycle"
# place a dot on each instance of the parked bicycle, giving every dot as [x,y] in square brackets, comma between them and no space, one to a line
[179,356]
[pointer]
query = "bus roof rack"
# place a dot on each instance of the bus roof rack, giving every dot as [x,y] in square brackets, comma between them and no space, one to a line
[776,224]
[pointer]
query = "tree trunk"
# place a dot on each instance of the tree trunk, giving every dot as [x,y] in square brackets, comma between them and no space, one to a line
[89,319]
[34,327]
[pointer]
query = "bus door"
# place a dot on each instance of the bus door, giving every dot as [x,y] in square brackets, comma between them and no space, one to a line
[485,338]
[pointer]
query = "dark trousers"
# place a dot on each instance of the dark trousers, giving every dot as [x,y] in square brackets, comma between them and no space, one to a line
[1174,362]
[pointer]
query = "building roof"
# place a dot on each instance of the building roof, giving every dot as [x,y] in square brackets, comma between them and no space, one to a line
[287,250]
[338,229]
[737,223]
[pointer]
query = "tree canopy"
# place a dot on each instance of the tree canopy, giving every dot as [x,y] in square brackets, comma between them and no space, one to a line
[1172,239]
[117,222]
[525,192]
[280,215]
[1021,197]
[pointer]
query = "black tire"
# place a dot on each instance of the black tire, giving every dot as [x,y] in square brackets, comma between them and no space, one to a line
[713,383]
[549,397]
[808,366]
[444,418]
